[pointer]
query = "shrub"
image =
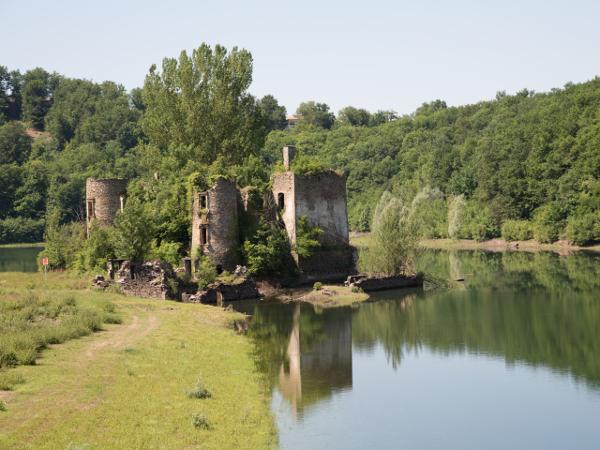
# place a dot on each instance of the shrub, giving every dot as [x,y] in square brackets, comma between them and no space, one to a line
[517,230]
[9,379]
[63,242]
[166,251]
[268,251]
[133,231]
[548,222]
[456,208]
[307,238]
[356,289]
[430,213]
[199,420]
[393,240]
[2,406]
[318,286]
[199,391]
[478,222]
[20,230]
[97,249]
[206,272]
[584,229]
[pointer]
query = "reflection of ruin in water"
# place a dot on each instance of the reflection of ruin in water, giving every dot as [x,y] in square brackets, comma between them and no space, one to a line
[319,357]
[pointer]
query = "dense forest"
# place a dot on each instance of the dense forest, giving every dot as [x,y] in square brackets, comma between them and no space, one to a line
[520,166]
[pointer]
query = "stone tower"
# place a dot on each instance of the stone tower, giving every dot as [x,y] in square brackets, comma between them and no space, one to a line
[215,224]
[321,198]
[104,198]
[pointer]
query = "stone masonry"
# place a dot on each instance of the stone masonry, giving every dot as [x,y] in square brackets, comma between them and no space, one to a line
[104,198]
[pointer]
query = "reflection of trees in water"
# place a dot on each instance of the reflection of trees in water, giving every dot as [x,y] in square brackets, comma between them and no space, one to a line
[307,355]
[540,309]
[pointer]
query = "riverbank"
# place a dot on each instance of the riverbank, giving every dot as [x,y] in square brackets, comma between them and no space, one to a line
[561,247]
[127,386]
[26,245]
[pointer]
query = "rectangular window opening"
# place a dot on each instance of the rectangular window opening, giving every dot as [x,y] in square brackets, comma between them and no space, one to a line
[91,209]
[281,201]
[203,201]
[203,235]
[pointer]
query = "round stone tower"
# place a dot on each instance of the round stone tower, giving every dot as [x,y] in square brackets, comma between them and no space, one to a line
[104,198]
[215,224]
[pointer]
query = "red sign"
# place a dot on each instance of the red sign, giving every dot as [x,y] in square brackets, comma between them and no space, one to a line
[44,261]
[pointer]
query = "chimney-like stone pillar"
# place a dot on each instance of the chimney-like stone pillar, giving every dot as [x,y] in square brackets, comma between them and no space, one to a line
[289,151]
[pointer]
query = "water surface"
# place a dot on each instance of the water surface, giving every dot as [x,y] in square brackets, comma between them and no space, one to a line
[510,360]
[19,259]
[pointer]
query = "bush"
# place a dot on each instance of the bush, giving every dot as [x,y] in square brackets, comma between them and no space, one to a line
[206,272]
[307,238]
[199,420]
[517,230]
[548,222]
[318,286]
[199,391]
[63,242]
[430,213]
[584,229]
[393,240]
[133,231]
[268,251]
[456,208]
[21,230]
[30,323]
[97,249]
[478,222]
[166,251]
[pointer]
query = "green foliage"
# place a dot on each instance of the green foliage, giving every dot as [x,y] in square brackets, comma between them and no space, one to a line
[133,231]
[202,101]
[456,207]
[353,116]
[96,250]
[307,238]
[9,379]
[584,229]
[268,251]
[38,86]
[315,114]
[393,241]
[273,113]
[318,286]
[430,213]
[199,390]
[15,144]
[200,421]
[306,165]
[21,229]
[29,323]
[63,242]
[206,272]
[166,251]
[548,222]
[517,230]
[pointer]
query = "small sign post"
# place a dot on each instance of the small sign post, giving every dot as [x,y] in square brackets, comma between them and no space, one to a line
[45,264]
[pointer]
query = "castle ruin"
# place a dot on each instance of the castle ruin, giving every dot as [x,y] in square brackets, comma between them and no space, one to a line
[104,198]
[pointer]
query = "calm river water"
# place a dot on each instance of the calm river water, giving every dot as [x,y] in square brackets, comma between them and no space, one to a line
[19,259]
[509,361]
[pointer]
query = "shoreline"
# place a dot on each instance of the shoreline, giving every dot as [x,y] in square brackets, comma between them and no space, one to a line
[494,245]
[24,245]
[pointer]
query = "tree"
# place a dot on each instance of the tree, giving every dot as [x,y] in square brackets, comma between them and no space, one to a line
[354,117]
[202,102]
[380,117]
[273,113]
[37,96]
[15,144]
[134,231]
[316,114]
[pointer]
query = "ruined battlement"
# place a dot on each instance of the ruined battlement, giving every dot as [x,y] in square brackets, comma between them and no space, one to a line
[104,198]
[215,224]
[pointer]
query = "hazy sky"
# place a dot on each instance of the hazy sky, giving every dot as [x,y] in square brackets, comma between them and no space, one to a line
[374,54]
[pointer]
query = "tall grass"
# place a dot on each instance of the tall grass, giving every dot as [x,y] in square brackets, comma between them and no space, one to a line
[30,322]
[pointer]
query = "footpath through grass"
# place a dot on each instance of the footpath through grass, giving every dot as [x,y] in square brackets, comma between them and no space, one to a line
[132,385]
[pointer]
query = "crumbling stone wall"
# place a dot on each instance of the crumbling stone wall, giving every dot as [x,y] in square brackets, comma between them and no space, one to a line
[321,198]
[151,279]
[104,198]
[219,219]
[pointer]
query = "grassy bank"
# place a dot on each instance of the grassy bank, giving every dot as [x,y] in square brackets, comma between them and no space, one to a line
[128,385]
[329,296]
[362,240]
[27,245]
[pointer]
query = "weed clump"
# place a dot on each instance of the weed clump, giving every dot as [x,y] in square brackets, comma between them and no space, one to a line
[9,380]
[2,406]
[200,421]
[318,286]
[199,391]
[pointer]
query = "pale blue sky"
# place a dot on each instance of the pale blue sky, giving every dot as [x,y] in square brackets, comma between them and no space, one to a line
[375,54]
